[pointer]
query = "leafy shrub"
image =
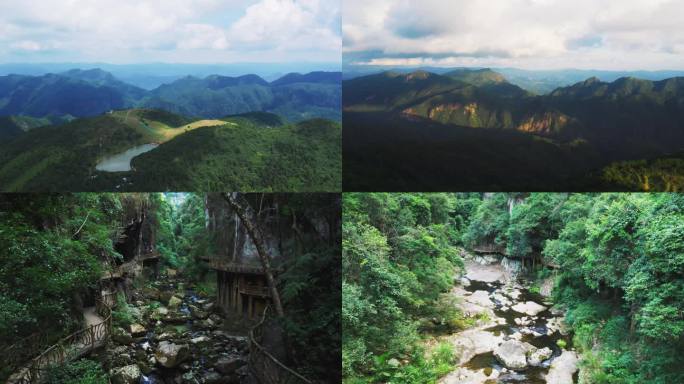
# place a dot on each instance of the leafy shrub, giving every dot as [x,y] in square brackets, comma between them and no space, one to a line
[78,372]
[121,315]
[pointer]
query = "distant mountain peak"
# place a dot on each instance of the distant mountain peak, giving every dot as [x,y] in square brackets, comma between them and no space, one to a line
[93,74]
[480,76]
[418,75]
[311,77]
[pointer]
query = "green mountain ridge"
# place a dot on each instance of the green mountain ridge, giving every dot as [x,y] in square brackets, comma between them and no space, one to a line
[85,93]
[619,121]
[251,151]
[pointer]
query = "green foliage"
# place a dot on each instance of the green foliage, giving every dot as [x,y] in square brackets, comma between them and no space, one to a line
[398,261]
[489,222]
[300,157]
[52,247]
[244,154]
[121,315]
[78,372]
[620,262]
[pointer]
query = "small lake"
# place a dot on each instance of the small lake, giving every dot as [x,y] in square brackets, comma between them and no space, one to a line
[121,162]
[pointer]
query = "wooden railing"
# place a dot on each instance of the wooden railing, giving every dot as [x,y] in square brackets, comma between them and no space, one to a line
[68,348]
[265,368]
[23,350]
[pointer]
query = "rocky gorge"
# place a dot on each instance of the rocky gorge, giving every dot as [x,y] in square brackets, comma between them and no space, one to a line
[519,337]
[177,336]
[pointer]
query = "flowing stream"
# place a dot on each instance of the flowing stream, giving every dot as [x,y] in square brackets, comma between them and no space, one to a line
[542,328]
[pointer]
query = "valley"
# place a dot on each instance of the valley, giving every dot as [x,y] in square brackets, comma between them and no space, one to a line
[482,288]
[509,138]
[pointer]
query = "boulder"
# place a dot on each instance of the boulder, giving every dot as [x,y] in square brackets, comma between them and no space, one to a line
[129,374]
[200,314]
[175,302]
[137,329]
[165,296]
[480,298]
[200,339]
[170,355]
[228,365]
[562,368]
[120,336]
[537,357]
[513,354]
[529,308]
[474,342]
[212,378]
[151,293]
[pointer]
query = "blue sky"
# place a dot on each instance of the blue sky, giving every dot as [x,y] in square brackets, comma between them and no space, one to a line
[173,31]
[528,34]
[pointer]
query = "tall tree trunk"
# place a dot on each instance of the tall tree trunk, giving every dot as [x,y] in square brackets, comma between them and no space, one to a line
[248,219]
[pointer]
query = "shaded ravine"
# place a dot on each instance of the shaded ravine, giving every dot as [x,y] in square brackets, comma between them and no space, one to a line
[183,340]
[494,286]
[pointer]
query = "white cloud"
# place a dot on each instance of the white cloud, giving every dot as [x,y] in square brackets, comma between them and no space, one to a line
[167,30]
[289,24]
[611,34]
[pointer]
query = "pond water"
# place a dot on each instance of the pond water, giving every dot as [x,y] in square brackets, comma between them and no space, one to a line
[121,162]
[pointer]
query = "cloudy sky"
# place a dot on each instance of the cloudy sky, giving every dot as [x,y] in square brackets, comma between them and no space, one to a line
[531,34]
[179,31]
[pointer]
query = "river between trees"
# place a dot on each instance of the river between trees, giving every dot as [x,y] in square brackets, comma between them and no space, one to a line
[520,338]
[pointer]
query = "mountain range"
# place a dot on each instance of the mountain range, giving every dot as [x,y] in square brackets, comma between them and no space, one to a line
[602,122]
[85,93]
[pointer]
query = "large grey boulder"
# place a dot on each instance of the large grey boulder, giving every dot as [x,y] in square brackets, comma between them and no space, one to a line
[175,302]
[537,357]
[129,374]
[137,329]
[513,354]
[170,355]
[228,365]
[563,368]
[529,307]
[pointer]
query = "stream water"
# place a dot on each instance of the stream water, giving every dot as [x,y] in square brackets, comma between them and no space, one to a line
[541,330]
[121,162]
[539,335]
[210,353]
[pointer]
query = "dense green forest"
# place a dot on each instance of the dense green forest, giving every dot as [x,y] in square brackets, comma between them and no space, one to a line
[616,261]
[248,152]
[56,249]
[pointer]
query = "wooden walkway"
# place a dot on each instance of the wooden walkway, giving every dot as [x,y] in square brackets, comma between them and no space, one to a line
[98,328]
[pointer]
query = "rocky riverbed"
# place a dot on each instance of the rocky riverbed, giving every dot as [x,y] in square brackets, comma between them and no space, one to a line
[521,337]
[178,337]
